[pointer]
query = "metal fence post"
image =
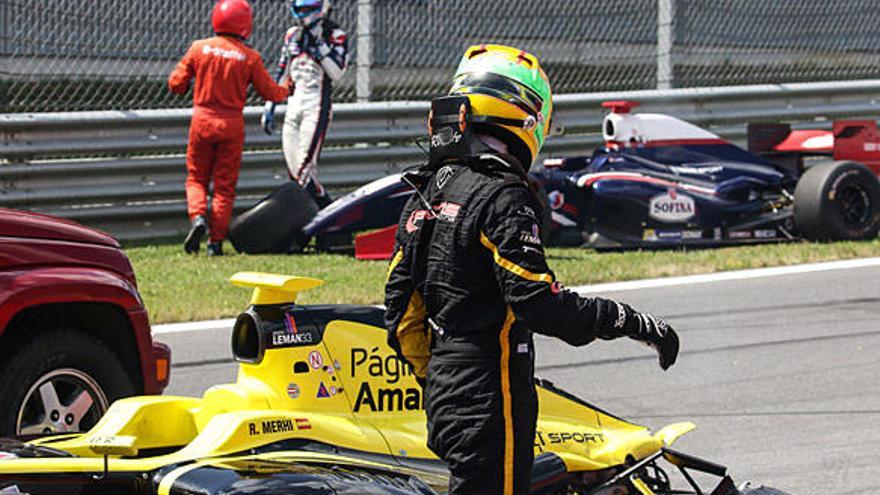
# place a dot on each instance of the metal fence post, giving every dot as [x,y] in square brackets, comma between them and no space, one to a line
[5,31]
[364,89]
[665,43]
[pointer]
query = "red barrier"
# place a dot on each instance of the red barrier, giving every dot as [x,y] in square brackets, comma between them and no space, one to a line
[375,245]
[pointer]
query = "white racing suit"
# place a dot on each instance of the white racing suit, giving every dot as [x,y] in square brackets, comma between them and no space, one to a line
[311,67]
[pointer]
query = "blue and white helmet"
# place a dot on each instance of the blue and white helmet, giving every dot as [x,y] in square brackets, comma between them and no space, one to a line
[308,12]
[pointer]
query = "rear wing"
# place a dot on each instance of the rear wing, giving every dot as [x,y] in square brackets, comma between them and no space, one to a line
[855,140]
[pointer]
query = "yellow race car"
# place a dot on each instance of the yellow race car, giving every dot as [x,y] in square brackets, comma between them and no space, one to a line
[322,406]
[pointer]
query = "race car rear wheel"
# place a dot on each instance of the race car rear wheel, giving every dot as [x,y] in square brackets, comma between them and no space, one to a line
[837,201]
[275,224]
[62,380]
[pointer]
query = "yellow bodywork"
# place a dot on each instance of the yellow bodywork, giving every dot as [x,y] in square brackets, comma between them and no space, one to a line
[356,394]
[271,288]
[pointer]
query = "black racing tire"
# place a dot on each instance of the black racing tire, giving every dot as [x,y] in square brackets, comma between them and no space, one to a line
[275,224]
[52,371]
[836,201]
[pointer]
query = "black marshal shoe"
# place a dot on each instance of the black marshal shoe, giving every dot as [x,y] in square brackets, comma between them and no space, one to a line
[215,248]
[194,237]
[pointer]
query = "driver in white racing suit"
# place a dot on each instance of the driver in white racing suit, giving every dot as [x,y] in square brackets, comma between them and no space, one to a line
[313,57]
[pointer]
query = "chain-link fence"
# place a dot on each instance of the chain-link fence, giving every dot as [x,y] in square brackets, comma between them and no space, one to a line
[116,54]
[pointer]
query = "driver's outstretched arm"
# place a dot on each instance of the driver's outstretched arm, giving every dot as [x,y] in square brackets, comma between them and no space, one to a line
[511,236]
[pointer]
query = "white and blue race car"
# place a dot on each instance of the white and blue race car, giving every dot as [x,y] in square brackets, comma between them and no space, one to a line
[662,182]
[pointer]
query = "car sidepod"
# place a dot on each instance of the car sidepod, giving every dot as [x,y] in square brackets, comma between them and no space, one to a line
[620,200]
[372,206]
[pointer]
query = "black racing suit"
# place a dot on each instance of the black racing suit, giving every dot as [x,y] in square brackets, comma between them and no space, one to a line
[467,286]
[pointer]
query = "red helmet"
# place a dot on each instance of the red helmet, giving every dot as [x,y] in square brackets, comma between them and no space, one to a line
[233,17]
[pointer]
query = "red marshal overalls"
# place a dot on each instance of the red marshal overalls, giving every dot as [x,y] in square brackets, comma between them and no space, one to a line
[223,67]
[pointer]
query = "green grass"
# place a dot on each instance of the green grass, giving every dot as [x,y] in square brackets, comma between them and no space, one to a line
[177,287]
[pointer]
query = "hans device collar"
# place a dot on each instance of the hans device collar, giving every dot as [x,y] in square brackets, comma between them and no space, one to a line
[454,132]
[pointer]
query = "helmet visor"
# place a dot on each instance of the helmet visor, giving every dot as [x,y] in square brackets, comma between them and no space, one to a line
[305,10]
[302,9]
[500,87]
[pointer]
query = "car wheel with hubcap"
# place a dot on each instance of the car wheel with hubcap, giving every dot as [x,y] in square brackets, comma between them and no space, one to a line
[62,380]
[61,401]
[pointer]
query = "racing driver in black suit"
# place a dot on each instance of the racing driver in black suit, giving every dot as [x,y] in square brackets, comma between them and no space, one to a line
[469,282]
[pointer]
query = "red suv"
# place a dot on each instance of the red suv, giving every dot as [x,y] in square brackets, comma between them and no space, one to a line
[74,334]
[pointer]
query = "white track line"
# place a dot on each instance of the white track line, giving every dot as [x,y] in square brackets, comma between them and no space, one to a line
[610,287]
[195,326]
[727,276]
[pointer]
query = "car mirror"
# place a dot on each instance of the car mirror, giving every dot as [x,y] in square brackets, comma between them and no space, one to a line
[114,445]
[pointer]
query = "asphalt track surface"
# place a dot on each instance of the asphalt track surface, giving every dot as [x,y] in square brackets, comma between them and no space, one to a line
[781,375]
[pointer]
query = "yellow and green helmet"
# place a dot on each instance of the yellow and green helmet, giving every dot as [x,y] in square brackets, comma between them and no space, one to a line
[509,89]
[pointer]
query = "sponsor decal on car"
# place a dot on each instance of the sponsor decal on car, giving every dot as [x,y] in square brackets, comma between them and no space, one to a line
[740,234]
[542,438]
[672,207]
[390,399]
[293,391]
[291,335]
[290,324]
[281,338]
[766,234]
[393,397]
[655,235]
[316,361]
[323,392]
[669,235]
[556,199]
[270,426]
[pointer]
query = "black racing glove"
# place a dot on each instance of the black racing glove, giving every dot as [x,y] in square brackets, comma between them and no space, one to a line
[623,321]
[659,335]
[313,46]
